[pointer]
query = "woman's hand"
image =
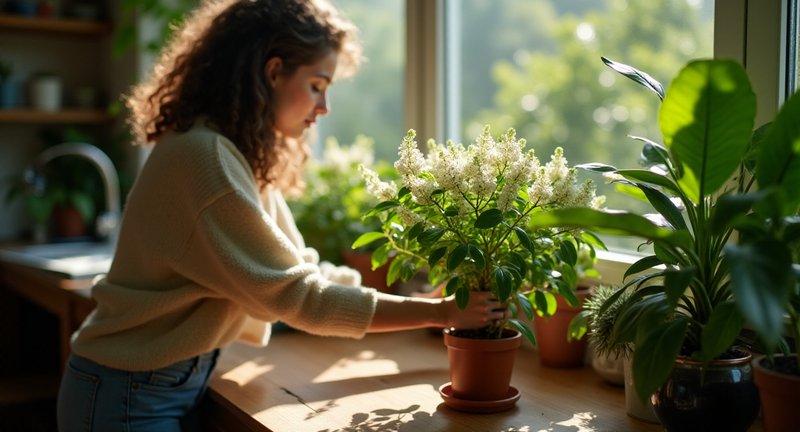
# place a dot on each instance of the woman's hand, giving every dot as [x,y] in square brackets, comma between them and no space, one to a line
[482,310]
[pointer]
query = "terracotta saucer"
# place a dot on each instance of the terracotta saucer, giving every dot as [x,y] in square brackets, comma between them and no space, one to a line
[446,392]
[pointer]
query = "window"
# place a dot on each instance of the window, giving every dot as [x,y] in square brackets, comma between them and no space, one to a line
[371,103]
[535,66]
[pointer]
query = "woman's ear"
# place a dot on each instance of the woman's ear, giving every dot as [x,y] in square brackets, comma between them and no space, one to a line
[272,70]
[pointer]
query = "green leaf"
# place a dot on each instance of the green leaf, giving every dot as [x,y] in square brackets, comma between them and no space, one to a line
[367,238]
[524,239]
[431,236]
[522,328]
[641,265]
[636,75]
[720,331]
[545,303]
[502,280]
[655,354]
[477,255]
[761,282]
[578,325]
[462,297]
[452,286]
[729,207]
[597,167]
[489,219]
[707,119]
[664,205]
[380,255]
[415,230]
[395,271]
[525,305]
[436,255]
[617,223]
[779,153]
[650,177]
[382,207]
[568,253]
[457,256]
[675,283]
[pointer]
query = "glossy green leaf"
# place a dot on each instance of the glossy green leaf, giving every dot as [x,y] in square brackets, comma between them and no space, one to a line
[577,326]
[522,328]
[636,75]
[545,303]
[452,286]
[568,253]
[457,256]
[525,304]
[655,354]
[721,330]
[779,153]
[477,255]
[675,283]
[489,219]
[462,297]
[395,271]
[650,177]
[503,283]
[761,282]
[367,238]
[617,223]
[641,265]
[436,255]
[524,239]
[664,205]
[380,255]
[707,119]
[431,236]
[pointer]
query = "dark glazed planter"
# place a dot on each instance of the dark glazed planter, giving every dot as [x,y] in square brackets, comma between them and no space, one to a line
[779,393]
[480,369]
[720,396]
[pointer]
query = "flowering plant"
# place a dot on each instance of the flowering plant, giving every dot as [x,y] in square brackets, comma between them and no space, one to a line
[462,213]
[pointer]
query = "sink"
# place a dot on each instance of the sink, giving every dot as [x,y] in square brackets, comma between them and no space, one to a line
[76,260]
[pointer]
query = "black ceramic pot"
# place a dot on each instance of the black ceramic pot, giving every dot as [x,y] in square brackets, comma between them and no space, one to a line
[716,396]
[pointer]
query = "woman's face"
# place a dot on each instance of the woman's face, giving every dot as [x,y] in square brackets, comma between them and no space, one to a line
[302,96]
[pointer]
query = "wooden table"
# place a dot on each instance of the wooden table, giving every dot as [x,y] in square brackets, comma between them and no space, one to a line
[389,382]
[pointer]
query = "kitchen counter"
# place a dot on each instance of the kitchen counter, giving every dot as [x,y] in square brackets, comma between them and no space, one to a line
[383,382]
[390,382]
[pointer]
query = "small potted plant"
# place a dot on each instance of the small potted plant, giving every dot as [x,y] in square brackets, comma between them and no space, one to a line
[462,215]
[765,273]
[330,211]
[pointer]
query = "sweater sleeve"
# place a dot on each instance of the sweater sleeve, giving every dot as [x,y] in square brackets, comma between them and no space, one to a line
[240,253]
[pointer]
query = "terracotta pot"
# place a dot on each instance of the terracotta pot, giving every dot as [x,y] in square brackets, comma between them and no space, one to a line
[369,277]
[68,222]
[779,395]
[480,369]
[551,336]
[718,395]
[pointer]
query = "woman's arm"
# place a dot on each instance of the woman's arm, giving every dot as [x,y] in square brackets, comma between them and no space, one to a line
[394,313]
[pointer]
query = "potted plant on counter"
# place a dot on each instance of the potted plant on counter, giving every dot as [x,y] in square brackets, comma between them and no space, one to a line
[683,317]
[764,264]
[330,211]
[462,215]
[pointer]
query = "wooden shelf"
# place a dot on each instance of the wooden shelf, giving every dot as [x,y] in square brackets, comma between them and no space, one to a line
[54,25]
[31,116]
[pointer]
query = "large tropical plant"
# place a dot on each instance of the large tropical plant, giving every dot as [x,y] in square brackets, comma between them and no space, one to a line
[684,303]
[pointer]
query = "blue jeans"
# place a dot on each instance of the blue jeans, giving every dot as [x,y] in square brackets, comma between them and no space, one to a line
[98,398]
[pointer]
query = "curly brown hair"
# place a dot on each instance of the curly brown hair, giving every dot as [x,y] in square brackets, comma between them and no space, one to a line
[213,67]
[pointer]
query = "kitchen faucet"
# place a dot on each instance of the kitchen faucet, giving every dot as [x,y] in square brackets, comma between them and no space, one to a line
[107,221]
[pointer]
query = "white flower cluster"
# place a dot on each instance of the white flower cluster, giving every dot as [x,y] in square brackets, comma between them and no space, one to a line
[470,175]
[341,159]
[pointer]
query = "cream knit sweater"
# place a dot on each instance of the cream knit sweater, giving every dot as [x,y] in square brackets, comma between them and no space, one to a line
[203,259]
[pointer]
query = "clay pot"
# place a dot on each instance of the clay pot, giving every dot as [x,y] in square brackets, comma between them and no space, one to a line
[551,336]
[480,369]
[68,222]
[779,395]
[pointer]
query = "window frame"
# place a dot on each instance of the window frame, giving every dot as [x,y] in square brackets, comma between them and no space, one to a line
[753,32]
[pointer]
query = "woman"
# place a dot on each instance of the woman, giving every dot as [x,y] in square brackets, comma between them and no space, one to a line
[208,252]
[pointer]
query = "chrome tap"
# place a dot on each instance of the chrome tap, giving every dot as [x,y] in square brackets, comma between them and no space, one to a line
[107,222]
